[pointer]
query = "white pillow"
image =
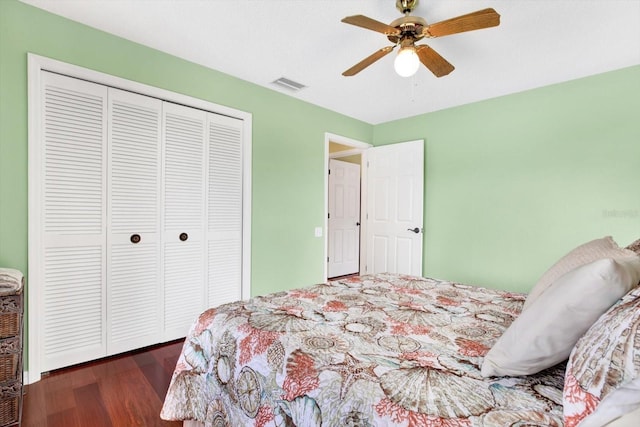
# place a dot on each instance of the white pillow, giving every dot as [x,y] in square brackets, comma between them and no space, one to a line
[584,254]
[544,334]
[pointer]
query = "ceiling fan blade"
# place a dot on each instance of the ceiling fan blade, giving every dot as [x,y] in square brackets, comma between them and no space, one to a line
[368,61]
[484,18]
[433,61]
[371,24]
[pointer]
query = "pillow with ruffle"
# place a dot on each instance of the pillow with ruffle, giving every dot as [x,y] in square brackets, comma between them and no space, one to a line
[602,380]
[635,246]
[584,254]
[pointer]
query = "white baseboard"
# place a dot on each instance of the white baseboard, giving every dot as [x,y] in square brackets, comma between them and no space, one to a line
[25,377]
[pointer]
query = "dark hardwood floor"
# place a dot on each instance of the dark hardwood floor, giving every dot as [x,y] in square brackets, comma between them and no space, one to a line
[120,391]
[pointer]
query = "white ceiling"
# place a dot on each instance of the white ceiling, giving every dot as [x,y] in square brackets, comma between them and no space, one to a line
[538,42]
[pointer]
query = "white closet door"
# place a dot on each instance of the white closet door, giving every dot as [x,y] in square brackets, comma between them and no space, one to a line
[224,210]
[133,256]
[184,218]
[72,221]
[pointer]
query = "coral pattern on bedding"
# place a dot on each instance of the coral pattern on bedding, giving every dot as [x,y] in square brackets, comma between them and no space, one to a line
[383,350]
[605,364]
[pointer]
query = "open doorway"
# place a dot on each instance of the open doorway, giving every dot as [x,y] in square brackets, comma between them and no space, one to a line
[343,219]
[344,198]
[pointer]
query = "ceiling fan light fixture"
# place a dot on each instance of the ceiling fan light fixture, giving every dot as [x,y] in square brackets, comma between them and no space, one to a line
[404,32]
[407,62]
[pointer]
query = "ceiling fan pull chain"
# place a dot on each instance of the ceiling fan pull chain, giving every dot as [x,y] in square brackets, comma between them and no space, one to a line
[414,84]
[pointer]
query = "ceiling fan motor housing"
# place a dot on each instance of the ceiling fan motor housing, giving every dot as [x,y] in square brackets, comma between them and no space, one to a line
[409,26]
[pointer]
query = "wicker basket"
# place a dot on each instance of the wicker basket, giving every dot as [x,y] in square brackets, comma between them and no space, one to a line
[10,315]
[9,410]
[11,307]
[10,360]
[9,324]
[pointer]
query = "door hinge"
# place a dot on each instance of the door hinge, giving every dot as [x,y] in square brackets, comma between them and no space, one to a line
[328,215]
[327,259]
[329,171]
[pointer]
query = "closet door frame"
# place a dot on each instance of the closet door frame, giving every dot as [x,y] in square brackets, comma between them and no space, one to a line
[37,64]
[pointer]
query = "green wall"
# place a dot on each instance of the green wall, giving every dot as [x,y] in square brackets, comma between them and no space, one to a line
[288,139]
[515,182]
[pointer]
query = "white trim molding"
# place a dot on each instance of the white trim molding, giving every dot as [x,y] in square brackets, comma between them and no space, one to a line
[359,147]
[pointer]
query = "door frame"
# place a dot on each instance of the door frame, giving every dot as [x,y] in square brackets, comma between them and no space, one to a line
[359,147]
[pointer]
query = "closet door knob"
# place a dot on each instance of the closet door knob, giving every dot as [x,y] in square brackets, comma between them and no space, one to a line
[135,238]
[183,237]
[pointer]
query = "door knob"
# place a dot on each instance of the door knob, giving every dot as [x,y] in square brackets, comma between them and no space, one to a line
[358,224]
[183,237]
[415,230]
[135,238]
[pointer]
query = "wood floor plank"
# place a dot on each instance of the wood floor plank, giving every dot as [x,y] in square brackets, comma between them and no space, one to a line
[90,406]
[167,356]
[155,374]
[34,403]
[81,376]
[66,418]
[58,394]
[122,391]
[113,366]
[128,408]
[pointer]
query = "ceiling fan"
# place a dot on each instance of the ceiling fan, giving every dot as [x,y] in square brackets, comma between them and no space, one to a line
[406,31]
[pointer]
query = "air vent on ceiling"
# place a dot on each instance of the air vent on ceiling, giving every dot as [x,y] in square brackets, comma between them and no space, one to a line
[288,84]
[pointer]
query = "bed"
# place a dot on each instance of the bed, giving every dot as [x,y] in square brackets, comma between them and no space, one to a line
[381,350]
[397,350]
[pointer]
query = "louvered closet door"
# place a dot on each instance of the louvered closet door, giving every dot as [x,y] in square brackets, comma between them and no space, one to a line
[73,221]
[224,210]
[184,217]
[133,241]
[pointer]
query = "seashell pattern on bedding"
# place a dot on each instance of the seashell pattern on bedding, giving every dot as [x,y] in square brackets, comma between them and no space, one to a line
[381,350]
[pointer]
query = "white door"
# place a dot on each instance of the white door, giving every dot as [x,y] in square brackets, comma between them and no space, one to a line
[70,217]
[133,243]
[344,218]
[395,182]
[224,210]
[183,237]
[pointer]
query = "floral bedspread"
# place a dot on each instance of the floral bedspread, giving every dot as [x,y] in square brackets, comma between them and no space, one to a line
[382,350]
